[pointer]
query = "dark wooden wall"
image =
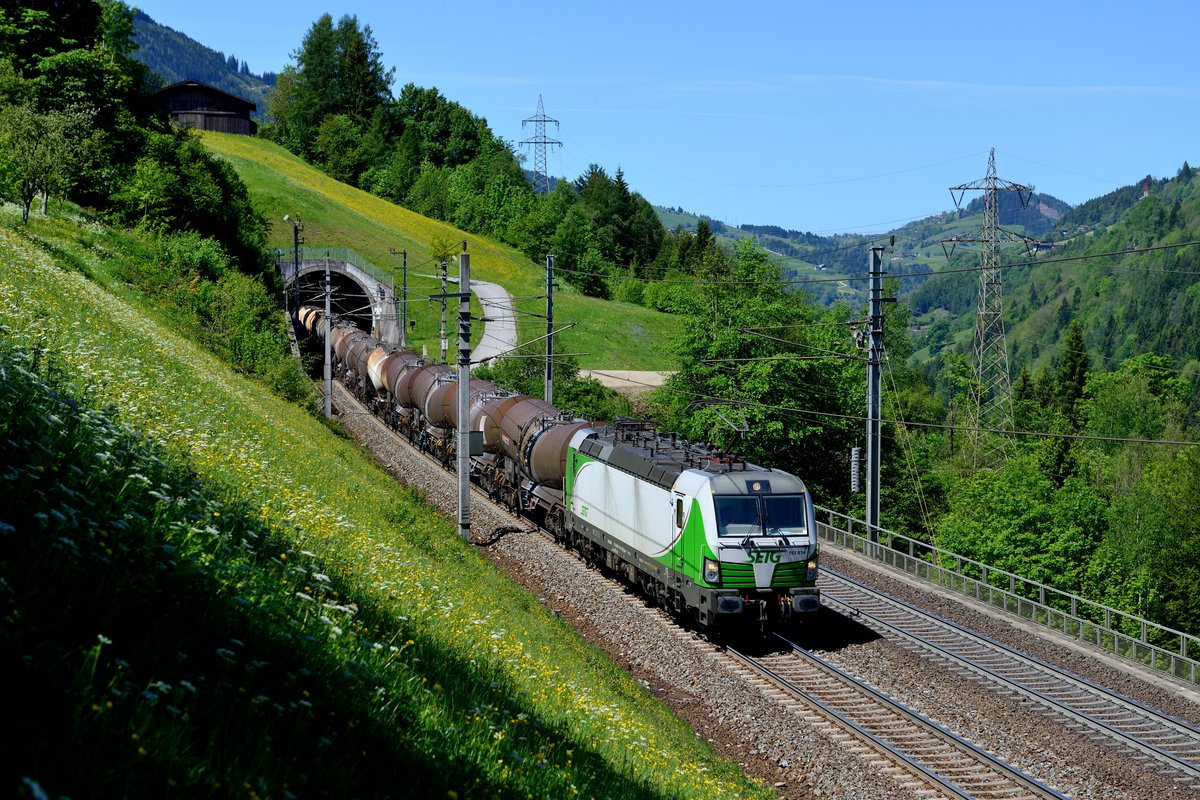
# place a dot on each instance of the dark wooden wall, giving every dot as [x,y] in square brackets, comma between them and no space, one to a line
[207,109]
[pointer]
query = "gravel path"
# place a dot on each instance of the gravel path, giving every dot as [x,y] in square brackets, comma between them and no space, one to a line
[500,327]
[775,746]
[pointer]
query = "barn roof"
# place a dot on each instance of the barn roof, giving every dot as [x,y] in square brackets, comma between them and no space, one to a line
[190,84]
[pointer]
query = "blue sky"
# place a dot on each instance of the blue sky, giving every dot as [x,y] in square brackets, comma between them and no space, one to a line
[826,117]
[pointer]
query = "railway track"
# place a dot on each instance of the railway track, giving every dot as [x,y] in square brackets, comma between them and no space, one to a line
[936,760]
[952,775]
[1160,742]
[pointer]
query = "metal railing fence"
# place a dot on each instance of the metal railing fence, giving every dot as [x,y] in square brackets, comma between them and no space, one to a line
[339,255]
[1117,632]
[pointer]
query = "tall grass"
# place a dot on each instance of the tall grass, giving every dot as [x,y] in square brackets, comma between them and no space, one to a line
[609,335]
[208,593]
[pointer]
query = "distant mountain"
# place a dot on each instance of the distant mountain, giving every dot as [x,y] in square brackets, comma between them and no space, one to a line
[917,248]
[1128,302]
[175,57]
[1036,218]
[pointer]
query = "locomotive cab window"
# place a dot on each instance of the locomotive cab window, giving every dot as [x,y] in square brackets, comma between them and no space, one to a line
[738,515]
[785,515]
[761,515]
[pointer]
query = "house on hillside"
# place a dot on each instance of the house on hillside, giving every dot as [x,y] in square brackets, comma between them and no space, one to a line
[192,104]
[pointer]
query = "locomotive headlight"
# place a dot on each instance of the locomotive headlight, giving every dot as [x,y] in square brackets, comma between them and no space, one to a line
[712,571]
[812,570]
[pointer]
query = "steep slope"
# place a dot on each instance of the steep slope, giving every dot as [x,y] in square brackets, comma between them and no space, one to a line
[606,335]
[1128,301]
[261,603]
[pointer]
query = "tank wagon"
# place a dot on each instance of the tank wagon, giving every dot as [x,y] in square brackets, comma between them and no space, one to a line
[704,533]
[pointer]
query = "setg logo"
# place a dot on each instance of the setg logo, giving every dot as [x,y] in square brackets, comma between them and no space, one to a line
[764,556]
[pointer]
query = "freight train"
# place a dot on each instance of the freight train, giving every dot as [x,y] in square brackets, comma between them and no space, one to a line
[718,541]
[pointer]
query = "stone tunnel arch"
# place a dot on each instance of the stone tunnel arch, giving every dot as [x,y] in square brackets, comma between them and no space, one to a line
[356,295]
[348,299]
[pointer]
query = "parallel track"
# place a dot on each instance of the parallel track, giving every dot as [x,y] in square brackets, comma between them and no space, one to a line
[934,758]
[1166,744]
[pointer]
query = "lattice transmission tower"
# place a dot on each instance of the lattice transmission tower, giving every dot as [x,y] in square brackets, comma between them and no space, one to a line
[992,391]
[539,142]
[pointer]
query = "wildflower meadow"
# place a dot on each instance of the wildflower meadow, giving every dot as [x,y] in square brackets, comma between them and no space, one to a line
[605,335]
[210,593]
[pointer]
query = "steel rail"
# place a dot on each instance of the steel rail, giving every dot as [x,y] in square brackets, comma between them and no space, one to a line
[1178,743]
[882,722]
[1041,791]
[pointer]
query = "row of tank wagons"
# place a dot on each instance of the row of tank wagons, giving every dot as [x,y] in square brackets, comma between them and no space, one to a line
[524,438]
[523,462]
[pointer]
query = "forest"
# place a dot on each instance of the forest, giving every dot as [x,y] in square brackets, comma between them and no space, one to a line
[172,56]
[1100,474]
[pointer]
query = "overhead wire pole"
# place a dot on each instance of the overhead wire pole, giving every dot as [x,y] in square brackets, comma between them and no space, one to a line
[297,226]
[539,142]
[404,298]
[328,335]
[402,301]
[874,402]
[445,344]
[549,393]
[992,400]
[464,390]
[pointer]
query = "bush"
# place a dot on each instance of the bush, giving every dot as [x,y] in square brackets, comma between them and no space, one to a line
[671,296]
[629,291]
[177,184]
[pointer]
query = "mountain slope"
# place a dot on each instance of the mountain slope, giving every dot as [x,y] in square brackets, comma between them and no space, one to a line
[175,57]
[1128,302]
[606,334]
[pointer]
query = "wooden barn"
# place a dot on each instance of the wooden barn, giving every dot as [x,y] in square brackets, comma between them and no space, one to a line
[206,108]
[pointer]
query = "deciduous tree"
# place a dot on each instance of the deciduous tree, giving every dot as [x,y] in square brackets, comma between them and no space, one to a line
[37,151]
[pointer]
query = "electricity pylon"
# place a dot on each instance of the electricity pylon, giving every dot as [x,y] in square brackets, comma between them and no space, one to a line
[539,142]
[992,390]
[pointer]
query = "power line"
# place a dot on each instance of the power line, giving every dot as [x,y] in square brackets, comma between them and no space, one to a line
[905,445]
[804,325]
[933,425]
[902,275]
[900,422]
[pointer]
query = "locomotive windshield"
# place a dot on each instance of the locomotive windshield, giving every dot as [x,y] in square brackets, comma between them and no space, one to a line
[761,515]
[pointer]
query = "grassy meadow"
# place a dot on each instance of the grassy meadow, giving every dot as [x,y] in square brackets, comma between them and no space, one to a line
[208,592]
[608,335]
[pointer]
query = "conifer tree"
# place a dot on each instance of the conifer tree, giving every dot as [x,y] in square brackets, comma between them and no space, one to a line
[1072,374]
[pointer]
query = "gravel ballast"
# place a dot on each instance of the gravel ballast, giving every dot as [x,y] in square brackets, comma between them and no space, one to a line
[798,756]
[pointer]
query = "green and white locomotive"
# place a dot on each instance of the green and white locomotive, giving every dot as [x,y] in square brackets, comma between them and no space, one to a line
[701,532]
[706,534]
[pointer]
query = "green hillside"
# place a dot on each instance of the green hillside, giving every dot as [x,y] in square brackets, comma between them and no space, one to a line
[606,334]
[209,593]
[1127,303]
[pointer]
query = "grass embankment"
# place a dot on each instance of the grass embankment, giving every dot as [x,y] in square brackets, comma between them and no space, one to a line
[610,335]
[224,598]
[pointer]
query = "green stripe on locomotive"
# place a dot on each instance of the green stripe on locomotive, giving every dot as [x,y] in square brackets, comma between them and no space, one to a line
[721,542]
[689,552]
[786,575]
